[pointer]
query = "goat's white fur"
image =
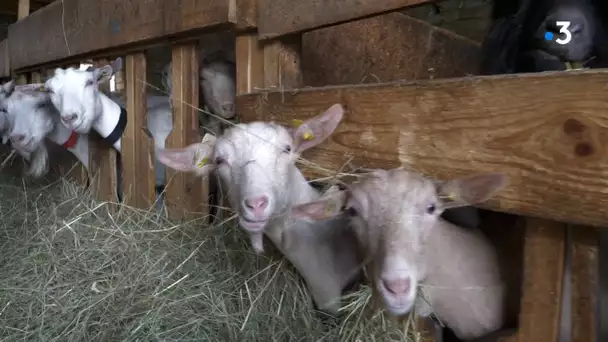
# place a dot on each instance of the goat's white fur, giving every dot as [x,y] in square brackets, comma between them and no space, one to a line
[396,217]
[76,92]
[253,159]
[35,118]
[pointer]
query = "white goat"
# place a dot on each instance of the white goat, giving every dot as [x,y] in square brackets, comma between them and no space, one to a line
[83,107]
[34,118]
[396,217]
[256,162]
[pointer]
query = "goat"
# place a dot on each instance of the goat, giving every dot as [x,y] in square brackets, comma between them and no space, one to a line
[218,88]
[516,41]
[34,119]
[83,107]
[396,217]
[256,162]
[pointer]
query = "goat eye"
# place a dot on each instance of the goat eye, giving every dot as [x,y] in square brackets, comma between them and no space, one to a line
[219,161]
[89,83]
[431,208]
[287,149]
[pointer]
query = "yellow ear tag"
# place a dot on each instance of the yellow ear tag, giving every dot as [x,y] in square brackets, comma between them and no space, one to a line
[306,135]
[330,208]
[202,163]
[296,123]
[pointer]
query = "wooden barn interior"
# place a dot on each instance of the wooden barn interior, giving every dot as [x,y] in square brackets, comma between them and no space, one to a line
[407,72]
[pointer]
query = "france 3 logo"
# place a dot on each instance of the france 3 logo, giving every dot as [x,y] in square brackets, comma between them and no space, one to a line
[563,29]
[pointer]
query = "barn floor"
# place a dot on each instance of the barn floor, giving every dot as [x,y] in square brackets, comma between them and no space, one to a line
[69,271]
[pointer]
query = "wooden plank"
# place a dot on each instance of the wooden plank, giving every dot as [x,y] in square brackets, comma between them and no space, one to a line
[585,282]
[186,194]
[546,131]
[104,178]
[282,65]
[246,14]
[70,28]
[5,66]
[544,252]
[281,17]
[24,9]
[249,64]
[137,151]
[374,50]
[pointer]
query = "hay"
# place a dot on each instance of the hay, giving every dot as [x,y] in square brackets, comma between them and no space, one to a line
[71,272]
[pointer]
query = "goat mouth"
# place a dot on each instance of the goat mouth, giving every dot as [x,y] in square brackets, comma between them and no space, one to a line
[397,305]
[253,226]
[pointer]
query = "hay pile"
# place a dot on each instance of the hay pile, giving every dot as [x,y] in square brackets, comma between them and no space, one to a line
[71,272]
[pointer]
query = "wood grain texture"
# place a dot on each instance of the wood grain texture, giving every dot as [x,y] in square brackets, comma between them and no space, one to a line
[137,149]
[374,50]
[186,194]
[281,17]
[282,63]
[585,282]
[544,252]
[103,160]
[547,132]
[246,14]
[249,64]
[5,65]
[71,28]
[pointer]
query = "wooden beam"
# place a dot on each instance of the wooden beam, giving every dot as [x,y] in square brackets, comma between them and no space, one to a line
[246,14]
[5,66]
[585,283]
[24,9]
[281,17]
[373,50]
[104,177]
[137,151]
[72,28]
[546,131]
[544,256]
[186,194]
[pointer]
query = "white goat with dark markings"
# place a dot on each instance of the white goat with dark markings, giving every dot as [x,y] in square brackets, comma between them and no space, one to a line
[83,107]
[396,217]
[34,118]
[256,163]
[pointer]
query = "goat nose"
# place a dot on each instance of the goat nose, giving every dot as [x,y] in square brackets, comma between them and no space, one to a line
[397,286]
[69,118]
[17,137]
[256,203]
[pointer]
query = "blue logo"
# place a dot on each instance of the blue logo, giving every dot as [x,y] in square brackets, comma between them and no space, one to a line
[548,35]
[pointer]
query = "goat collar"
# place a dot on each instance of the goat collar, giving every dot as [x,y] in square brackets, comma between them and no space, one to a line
[119,129]
[72,140]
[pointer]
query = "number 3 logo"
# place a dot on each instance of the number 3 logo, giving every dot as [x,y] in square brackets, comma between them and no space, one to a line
[563,25]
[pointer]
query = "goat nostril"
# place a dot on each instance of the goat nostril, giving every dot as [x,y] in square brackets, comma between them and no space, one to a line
[69,118]
[18,137]
[259,202]
[397,286]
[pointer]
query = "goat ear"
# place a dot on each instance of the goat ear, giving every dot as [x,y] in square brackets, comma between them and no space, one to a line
[330,205]
[313,131]
[103,74]
[470,190]
[8,87]
[195,158]
[117,64]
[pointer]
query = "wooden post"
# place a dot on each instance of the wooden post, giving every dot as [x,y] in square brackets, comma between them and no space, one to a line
[544,257]
[137,151]
[24,9]
[186,194]
[585,283]
[103,172]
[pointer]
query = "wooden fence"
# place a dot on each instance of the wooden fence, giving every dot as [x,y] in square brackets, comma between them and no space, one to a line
[546,131]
